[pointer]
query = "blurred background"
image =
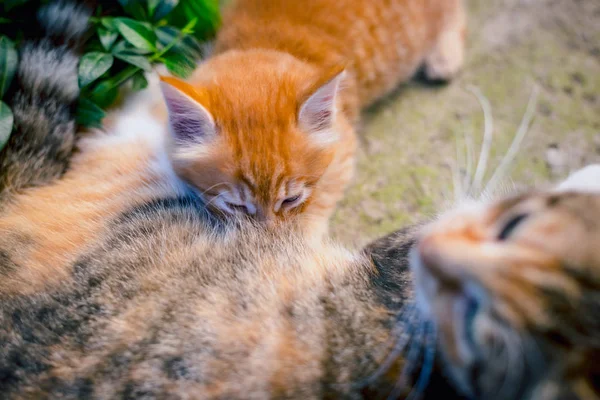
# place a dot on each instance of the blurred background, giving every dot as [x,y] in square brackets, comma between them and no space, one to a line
[409,140]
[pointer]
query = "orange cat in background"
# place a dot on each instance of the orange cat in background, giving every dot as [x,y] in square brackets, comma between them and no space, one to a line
[266,126]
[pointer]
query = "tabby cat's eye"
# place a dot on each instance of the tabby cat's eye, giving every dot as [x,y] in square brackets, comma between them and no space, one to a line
[511,225]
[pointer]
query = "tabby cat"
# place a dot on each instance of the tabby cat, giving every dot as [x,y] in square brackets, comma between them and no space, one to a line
[514,288]
[266,126]
[112,290]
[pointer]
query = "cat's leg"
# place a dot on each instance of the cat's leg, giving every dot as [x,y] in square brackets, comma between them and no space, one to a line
[447,57]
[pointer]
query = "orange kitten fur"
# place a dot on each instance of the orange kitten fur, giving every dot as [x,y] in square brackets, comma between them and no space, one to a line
[266,126]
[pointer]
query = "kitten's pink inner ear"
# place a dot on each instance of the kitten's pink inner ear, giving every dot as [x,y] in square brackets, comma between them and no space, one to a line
[317,113]
[189,121]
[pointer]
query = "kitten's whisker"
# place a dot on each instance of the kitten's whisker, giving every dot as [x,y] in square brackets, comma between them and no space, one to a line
[217,209]
[428,362]
[212,187]
[487,140]
[414,351]
[515,145]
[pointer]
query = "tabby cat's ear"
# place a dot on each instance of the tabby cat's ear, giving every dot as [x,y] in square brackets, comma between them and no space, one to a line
[189,121]
[318,112]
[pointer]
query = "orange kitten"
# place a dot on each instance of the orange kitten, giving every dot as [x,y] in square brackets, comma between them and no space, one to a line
[266,126]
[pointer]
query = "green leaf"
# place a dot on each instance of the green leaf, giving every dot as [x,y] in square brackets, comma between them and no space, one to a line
[161,8]
[139,61]
[139,81]
[92,66]
[135,8]
[10,4]
[109,23]
[107,38]
[8,63]
[123,47]
[189,27]
[105,93]
[187,45]
[207,12]
[6,123]
[152,4]
[137,33]
[178,64]
[89,114]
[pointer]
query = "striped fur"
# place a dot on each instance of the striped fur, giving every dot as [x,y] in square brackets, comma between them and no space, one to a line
[46,90]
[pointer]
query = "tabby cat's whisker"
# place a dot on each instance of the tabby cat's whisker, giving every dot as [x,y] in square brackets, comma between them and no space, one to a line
[487,140]
[470,155]
[514,146]
[414,351]
[428,362]
[514,365]
[401,334]
[459,191]
[404,331]
[533,355]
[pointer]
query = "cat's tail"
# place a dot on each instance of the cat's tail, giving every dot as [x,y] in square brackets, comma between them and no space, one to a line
[43,101]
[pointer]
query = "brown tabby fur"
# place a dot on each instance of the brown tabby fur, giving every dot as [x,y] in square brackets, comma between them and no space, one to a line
[271,55]
[141,293]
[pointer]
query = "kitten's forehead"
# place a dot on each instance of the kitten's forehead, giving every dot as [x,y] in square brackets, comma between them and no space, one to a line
[253,85]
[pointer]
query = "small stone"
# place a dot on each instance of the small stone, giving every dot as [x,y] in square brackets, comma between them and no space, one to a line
[578,77]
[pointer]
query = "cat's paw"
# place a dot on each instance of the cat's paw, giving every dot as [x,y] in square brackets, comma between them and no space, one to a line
[586,179]
[446,59]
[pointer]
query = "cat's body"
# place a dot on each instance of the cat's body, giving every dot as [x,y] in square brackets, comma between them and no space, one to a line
[278,117]
[114,288]
[514,287]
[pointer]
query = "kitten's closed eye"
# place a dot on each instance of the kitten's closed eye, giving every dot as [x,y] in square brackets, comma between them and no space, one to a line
[291,200]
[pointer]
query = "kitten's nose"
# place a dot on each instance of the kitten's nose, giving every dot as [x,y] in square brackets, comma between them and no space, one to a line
[264,214]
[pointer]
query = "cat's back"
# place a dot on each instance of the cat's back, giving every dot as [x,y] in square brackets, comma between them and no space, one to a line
[382,42]
[171,303]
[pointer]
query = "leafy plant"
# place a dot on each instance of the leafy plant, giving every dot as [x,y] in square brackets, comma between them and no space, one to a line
[127,38]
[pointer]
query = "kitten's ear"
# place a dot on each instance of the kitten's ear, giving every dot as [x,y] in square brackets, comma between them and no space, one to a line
[189,121]
[318,112]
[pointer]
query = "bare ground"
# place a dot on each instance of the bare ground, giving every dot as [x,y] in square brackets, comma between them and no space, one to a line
[409,139]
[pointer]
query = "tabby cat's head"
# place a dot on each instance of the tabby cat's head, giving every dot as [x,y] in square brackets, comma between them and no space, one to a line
[515,291]
[255,131]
